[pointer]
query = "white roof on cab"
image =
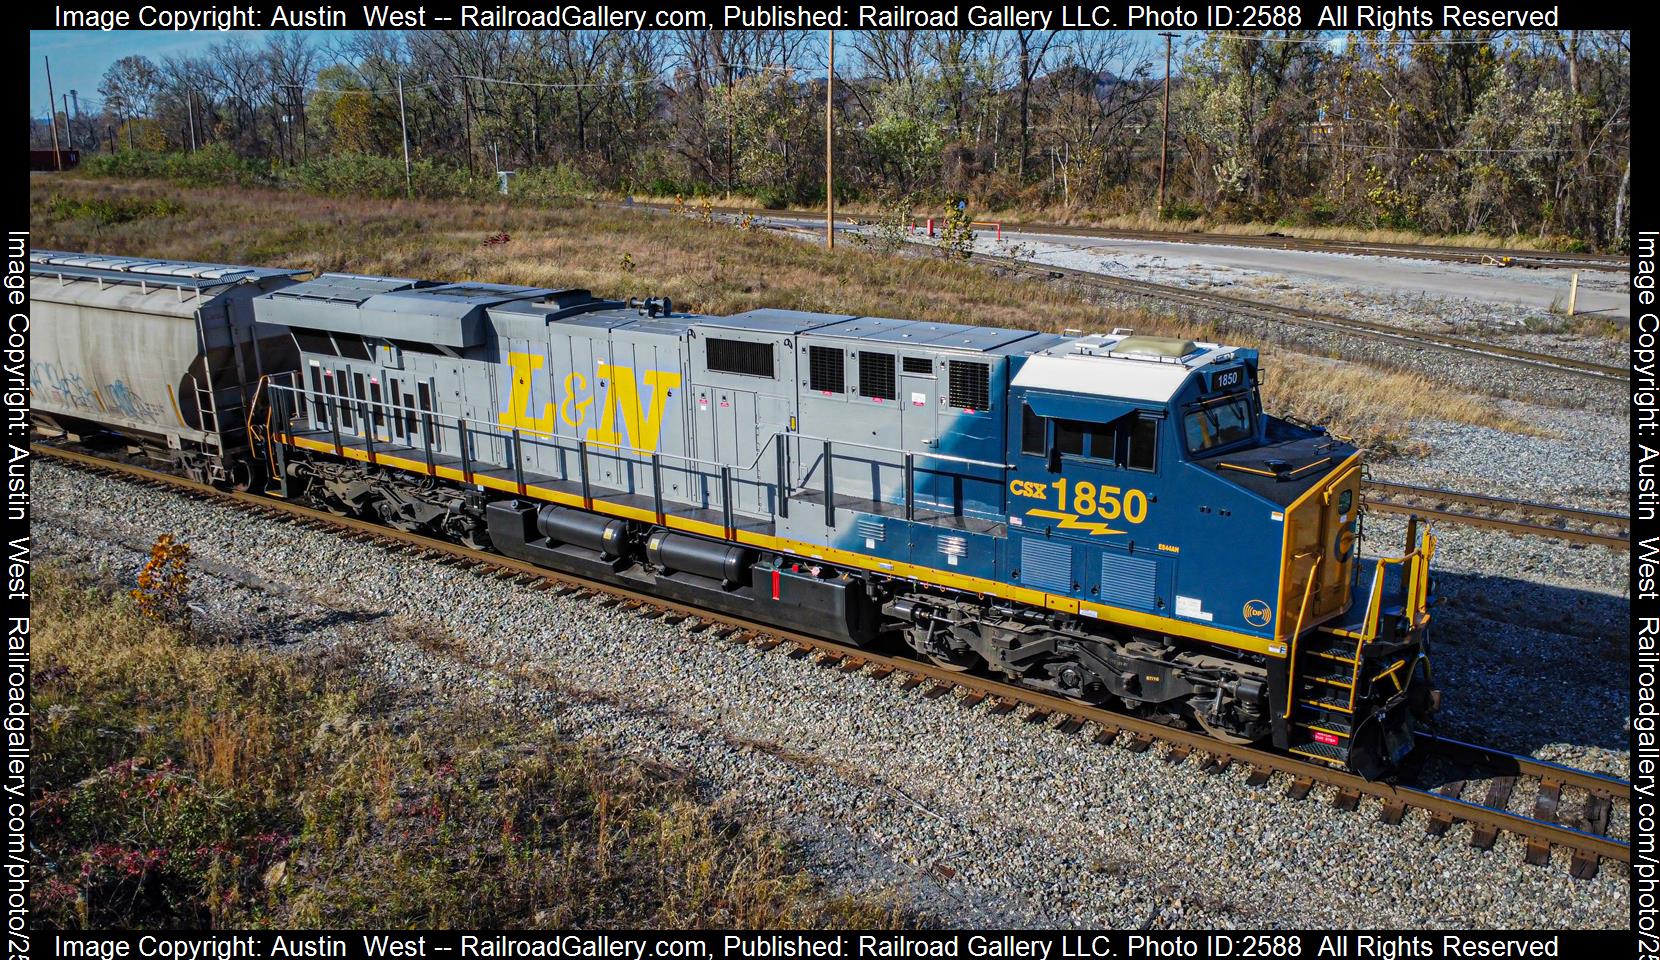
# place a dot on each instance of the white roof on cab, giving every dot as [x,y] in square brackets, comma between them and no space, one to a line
[1093,367]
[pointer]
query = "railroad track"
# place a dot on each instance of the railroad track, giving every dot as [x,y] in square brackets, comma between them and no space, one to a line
[1421,339]
[1500,513]
[1585,836]
[1494,257]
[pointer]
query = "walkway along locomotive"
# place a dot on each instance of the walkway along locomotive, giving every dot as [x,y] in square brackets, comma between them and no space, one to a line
[1107,517]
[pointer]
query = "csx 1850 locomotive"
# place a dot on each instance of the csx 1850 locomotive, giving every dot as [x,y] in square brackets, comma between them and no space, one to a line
[1108,517]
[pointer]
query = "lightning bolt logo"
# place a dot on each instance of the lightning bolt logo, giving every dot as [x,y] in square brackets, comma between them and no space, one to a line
[1071,522]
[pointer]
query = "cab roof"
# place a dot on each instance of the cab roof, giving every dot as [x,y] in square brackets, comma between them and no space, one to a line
[1120,365]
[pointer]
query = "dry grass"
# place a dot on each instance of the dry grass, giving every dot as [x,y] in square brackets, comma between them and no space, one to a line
[184,782]
[706,267]
[1376,408]
[1144,221]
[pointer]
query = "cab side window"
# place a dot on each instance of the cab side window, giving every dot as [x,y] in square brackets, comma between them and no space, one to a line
[1069,437]
[1141,439]
[1032,439]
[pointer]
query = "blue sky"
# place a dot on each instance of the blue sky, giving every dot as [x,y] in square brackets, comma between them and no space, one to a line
[80,57]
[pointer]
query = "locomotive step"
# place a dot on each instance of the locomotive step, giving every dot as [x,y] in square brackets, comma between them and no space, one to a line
[1332,674]
[1313,718]
[1327,699]
[1330,645]
[1306,745]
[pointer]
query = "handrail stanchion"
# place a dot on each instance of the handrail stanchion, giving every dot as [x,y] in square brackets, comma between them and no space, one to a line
[726,501]
[426,442]
[829,490]
[518,461]
[334,425]
[368,430]
[783,480]
[910,486]
[657,486]
[582,469]
[466,454]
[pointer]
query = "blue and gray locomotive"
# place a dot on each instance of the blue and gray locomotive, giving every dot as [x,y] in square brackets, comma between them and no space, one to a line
[1109,517]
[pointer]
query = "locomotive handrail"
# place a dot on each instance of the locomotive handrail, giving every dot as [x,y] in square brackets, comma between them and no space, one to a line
[1291,655]
[534,435]
[435,424]
[916,453]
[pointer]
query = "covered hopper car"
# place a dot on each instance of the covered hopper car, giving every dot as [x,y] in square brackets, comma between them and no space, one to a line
[1108,517]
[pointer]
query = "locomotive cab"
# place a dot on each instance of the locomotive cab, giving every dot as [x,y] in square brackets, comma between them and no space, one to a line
[1197,517]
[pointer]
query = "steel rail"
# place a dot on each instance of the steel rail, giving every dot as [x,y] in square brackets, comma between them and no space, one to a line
[1617,541]
[1504,763]
[1045,707]
[1483,500]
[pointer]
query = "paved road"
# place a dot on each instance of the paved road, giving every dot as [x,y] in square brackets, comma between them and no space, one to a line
[1201,265]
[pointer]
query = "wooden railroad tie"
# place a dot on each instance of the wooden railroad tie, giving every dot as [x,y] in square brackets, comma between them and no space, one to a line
[972,700]
[1038,715]
[1139,743]
[1439,821]
[936,691]
[1392,812]
[1069,726]
[853,664]
[1498,797]
[763,644]
[912,681]
[1258,777]
[1545,808]
[1584,865]
[1299,788]
[1346,800]
[1215,763]
[1003,705]
[1107,734]
[1177,754]
[800,650]
[881,673]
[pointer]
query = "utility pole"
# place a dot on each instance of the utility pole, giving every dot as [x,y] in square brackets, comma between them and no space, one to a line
[190,115]
[403,121]
[52,114]
[1164,132]
[67,128]
[830,149]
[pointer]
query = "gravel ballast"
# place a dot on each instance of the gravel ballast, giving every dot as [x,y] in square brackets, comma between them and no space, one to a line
[973,818]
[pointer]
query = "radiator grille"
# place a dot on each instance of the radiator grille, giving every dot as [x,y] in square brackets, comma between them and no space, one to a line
[825,371]
[1046,565]
[876,375]
[970,386]
[870,528]
[1129,581]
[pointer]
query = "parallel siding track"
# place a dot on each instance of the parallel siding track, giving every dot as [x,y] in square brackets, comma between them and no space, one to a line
[1577,525]
[1586,837]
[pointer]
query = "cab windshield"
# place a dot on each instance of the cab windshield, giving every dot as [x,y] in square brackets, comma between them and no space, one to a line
[1219,422]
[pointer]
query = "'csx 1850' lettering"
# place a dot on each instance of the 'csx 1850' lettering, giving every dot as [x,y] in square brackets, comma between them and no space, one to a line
[1087,499]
